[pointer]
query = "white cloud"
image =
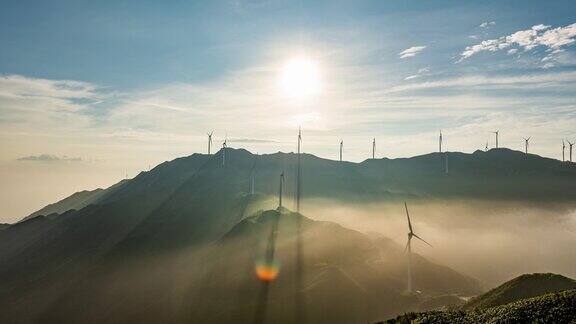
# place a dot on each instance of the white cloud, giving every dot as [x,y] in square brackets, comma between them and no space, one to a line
[512,51]
[487,24]
[421,72]
[538,35]
[411,52]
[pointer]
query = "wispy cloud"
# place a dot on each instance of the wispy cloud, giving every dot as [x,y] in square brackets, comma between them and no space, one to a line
[46,104]
[411,52]
[420,73]
[487,24]
[550,80]
[250,140]
[552,39]
[49,158]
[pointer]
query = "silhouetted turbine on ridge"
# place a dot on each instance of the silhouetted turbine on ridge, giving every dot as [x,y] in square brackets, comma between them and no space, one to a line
[341,145]
[570,148]
[299,301]
[298,170]
[526,142]
[252,176]
[563,148]
[224,146]
[408,248]
[440,142]
[281,186]
[209,141]
[373,148]
[496,133]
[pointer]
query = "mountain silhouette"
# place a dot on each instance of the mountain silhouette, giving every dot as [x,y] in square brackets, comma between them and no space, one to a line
[494,174]
[141,249]
[530,298]
[524,286]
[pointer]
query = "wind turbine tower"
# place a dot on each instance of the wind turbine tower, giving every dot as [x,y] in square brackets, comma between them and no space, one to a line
[224,146]
[252,176]
[298,170]
[280,190]
[563,149]
[570,148]
[440,143]
[209,141]
[496,133]
[408,248]
[341,145]
[526,143]
[373,148]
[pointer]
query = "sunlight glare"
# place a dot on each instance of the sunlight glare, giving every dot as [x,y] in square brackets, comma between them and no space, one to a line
[300,78]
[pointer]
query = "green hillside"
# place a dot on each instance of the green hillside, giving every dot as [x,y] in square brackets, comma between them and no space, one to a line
[556,307]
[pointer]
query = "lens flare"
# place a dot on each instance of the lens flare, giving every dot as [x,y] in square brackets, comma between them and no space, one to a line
[267,270]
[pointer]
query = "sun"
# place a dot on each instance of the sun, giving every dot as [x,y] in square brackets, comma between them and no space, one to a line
[300,78]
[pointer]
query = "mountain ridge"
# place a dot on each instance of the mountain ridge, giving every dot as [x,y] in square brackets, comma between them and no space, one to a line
[476,166]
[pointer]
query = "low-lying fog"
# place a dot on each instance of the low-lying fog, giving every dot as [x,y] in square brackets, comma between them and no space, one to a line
[491,241]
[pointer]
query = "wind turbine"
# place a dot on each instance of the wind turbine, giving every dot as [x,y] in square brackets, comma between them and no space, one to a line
[298,171]
[373,148]
[526,142]
[408,248]
[209,141]
[440,142]
[299,297]
[341,145]
[563,148]
[570,148]
[280,190]
[252,176]
[224,146]
[486,148]
[496,132]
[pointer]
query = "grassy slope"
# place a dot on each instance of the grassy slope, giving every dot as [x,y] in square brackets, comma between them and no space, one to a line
[556,307]
[524,286]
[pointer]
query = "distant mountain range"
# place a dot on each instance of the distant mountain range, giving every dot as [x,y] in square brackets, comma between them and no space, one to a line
[494,174]
[144,250]
[530,298]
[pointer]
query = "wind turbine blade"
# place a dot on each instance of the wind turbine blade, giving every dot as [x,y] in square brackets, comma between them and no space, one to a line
[408,217]
[421,239]
[407,244]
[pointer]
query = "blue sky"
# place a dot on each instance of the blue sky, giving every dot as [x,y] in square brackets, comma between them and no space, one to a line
[94,89]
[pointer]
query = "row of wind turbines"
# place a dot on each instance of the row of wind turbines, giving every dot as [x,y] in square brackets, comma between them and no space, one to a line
[411,234]
[440,139]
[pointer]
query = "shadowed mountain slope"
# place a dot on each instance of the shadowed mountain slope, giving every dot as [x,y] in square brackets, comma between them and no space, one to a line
[348,277]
